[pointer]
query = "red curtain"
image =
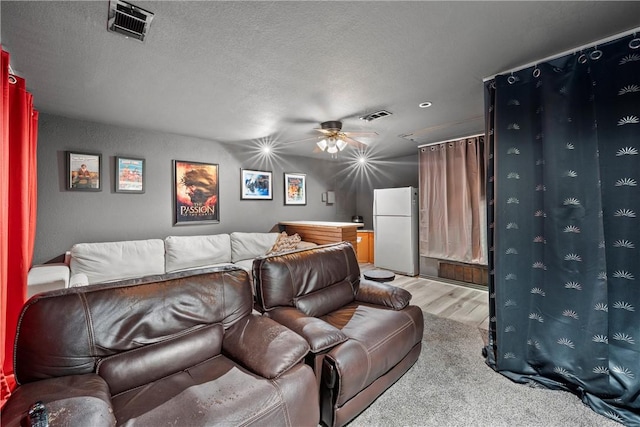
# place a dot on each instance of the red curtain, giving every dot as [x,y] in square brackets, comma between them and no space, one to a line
[18,198]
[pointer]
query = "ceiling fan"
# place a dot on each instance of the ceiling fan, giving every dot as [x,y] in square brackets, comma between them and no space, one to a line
[333,139]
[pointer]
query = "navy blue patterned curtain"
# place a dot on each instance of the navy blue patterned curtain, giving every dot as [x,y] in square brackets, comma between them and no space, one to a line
[564,234]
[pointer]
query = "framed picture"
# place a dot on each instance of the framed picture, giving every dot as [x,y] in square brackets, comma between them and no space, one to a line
[295,189]
[195,187]
[256,185]
[129,176]
[84,171]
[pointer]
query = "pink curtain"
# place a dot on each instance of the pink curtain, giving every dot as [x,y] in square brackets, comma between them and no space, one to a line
[452,205]
[18,198]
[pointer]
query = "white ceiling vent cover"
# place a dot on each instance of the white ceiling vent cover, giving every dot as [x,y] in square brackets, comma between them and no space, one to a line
[129,20]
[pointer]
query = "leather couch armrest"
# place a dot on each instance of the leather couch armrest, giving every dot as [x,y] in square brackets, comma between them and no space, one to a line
[383,294]
[264,346]
[319,334]
[71,400]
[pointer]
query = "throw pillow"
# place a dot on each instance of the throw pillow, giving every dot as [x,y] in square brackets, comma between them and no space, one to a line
[284,243]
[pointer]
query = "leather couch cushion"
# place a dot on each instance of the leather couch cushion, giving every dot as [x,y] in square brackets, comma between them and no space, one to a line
[326,300]
[92,322]
[73,400]
[250,245]
[377,335]
[280,279]
[128,370]
[184,252]
[215,392]
[110,261]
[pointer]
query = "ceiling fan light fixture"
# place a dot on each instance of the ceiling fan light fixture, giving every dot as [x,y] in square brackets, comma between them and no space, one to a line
[322,144]
[341,144]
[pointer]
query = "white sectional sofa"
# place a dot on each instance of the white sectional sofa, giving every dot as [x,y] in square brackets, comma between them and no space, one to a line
[91,263]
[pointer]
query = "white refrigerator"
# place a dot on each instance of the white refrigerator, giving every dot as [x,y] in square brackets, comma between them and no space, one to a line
[395,226]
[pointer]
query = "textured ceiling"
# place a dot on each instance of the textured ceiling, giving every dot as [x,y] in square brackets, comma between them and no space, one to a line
[245,72]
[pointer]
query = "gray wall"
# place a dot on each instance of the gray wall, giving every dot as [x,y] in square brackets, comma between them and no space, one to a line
[68,217]
[398,172]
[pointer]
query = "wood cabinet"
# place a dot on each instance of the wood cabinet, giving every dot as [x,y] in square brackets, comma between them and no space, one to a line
[469,273]
[365,246]
[323,232]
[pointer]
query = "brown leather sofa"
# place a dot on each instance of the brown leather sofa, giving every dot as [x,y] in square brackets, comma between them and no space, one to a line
[178,349]
[363,335]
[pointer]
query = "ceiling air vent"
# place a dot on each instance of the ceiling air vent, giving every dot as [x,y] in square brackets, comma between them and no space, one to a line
[129,20]
[377,115]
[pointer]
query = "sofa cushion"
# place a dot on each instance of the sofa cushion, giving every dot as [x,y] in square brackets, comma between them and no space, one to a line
[110,261]
[251,245]
[280,279]
[71,400]
[89,323]
[128,370]
[379,337]
[220,392]
[326,300]
[184,252]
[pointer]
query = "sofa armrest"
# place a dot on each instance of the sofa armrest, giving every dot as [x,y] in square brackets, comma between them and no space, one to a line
[264,346]
[319,334]
[47,277]
[383,294]
[70,400]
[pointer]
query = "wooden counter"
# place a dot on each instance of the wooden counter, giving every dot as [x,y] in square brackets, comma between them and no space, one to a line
[324,232]
[365,246]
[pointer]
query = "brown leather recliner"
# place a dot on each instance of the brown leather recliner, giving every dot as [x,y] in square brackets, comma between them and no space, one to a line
[363,335]
[178,349]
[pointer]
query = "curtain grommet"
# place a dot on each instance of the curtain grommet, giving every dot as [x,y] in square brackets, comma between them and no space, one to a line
[511,79]
[595,55]
[635,43]
[536,72]
[12,80]
[582,58]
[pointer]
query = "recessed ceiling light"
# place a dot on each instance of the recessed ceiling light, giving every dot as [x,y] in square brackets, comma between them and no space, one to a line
[425,104]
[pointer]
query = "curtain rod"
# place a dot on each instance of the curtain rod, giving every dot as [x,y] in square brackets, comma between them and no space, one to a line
[450,140]
[566,52]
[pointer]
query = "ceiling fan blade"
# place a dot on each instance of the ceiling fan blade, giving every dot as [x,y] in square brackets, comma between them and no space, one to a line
[353,142]
[307,139]
[362,134]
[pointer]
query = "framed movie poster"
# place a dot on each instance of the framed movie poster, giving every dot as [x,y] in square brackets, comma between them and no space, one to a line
[195,193]
[256,185]
[129,175]
[84,171]
[295,189]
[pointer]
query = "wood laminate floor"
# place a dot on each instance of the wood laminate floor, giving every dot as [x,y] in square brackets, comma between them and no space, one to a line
[455,302]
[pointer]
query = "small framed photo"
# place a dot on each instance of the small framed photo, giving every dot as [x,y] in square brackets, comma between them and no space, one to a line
[295,188]
[195,187]
[256,185]
[84,171]
[129,176]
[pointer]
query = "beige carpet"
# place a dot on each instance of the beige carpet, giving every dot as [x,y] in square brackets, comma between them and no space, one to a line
[450,385]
